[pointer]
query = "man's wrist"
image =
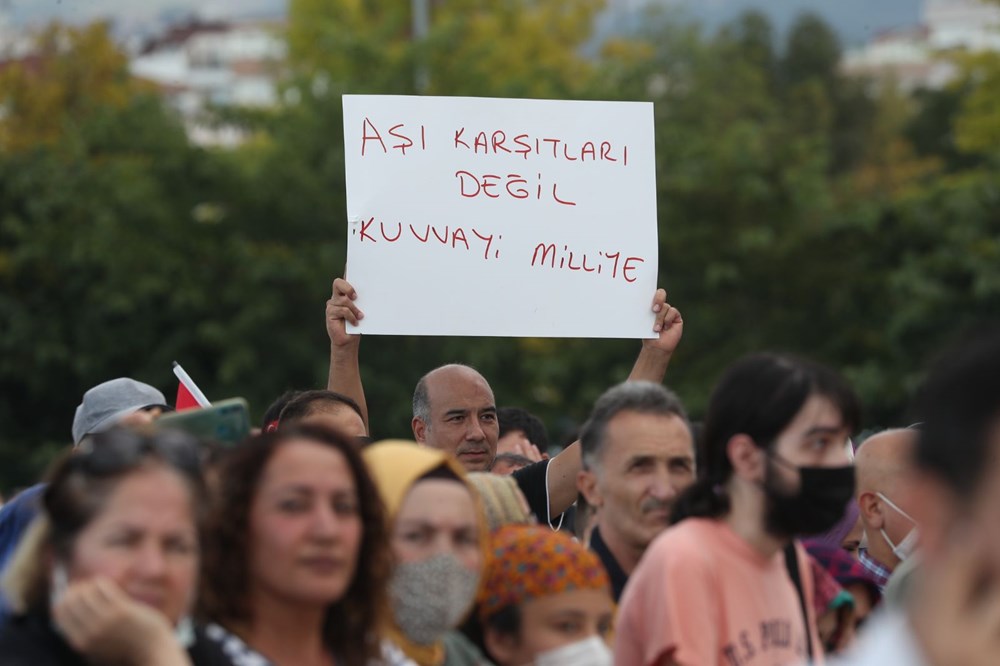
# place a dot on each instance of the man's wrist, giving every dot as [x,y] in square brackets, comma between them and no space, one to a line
[650,349]
[353,342]
[651,365]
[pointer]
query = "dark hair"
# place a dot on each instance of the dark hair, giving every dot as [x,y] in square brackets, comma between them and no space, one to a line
[308,403]
[80,482]
[512,419]
[758,396]
[506,622]
[642,397]
[350,629]
[959,410]
[274,409]
[421,400]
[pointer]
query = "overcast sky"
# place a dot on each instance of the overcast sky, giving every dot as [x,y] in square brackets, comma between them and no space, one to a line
[856,20]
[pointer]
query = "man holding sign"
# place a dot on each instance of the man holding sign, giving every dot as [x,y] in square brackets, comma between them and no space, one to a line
[455,410]
[530,211]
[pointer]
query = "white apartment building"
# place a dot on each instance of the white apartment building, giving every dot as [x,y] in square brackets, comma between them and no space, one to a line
[916,57]
[198,65]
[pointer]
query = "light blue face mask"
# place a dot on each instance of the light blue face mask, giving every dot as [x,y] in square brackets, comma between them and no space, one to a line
[908,545]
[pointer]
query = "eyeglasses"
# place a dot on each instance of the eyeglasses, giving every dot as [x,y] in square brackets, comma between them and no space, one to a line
[114,450]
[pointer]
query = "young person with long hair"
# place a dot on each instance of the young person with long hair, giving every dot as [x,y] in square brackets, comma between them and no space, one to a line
[723,585]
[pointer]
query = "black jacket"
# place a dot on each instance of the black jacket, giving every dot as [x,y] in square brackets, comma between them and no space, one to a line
[30,640]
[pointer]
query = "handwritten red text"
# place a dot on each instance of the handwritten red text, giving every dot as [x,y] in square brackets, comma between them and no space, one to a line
[405,138]
[500,142]
[611,264]
[512,185]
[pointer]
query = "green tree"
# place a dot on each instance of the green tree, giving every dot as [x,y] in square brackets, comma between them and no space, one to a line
[812,52]
[123,247]
[72,73]
[472,47]
[977,127]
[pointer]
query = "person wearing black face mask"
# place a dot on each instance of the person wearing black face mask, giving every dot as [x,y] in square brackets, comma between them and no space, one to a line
[727,584]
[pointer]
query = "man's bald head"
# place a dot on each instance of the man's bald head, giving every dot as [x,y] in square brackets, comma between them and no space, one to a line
[883,465]
[454,410]
[443,375]
[883,460]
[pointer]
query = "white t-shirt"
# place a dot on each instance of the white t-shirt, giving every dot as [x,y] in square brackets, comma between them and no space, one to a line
[887,639]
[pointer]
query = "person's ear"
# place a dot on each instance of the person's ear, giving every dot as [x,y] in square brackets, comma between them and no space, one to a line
[586,483]
[419,430]
[748,459]
[501,646]
[871,510]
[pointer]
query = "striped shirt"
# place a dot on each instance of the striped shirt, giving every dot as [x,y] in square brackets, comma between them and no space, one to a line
[877,570]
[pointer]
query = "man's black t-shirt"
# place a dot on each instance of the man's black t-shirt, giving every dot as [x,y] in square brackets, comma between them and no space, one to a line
[615,572]
[531,480]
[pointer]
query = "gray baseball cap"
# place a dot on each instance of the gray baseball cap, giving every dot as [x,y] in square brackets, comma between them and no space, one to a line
[105,404]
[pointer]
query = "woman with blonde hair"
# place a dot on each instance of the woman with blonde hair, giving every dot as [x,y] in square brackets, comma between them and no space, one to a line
[502,500]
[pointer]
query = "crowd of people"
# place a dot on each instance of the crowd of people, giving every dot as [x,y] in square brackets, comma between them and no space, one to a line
[766,534]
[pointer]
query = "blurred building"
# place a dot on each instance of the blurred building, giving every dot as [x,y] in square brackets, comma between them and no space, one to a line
[917,56]
[17,46]
[198,65]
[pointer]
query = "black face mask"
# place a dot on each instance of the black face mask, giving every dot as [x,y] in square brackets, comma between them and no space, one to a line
[820,502]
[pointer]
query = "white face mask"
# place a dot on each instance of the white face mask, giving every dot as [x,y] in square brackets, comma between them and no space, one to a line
[588,652]
[904,548]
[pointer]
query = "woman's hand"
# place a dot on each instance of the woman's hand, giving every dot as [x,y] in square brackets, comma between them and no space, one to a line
[105,625]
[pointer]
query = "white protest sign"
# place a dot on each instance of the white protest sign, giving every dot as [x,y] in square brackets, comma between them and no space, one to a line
[501,217]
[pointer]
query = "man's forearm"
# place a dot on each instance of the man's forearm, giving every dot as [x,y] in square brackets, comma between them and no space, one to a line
[562,473]
[650,365]
[345,376]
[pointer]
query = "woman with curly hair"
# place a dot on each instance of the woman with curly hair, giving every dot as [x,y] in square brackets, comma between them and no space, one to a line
[296,554]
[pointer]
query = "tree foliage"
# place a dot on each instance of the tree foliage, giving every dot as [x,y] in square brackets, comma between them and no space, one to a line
[799,210]
[523,48]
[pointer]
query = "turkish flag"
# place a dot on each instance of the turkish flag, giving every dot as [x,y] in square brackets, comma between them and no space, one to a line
[184,398]
[189,396]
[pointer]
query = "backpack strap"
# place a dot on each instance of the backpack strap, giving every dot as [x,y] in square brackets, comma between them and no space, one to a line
[792,564]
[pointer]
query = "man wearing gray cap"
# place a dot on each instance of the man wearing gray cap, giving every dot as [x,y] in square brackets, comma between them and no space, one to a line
[121,401]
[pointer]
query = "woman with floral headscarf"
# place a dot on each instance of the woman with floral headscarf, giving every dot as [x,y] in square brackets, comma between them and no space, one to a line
[545,600]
